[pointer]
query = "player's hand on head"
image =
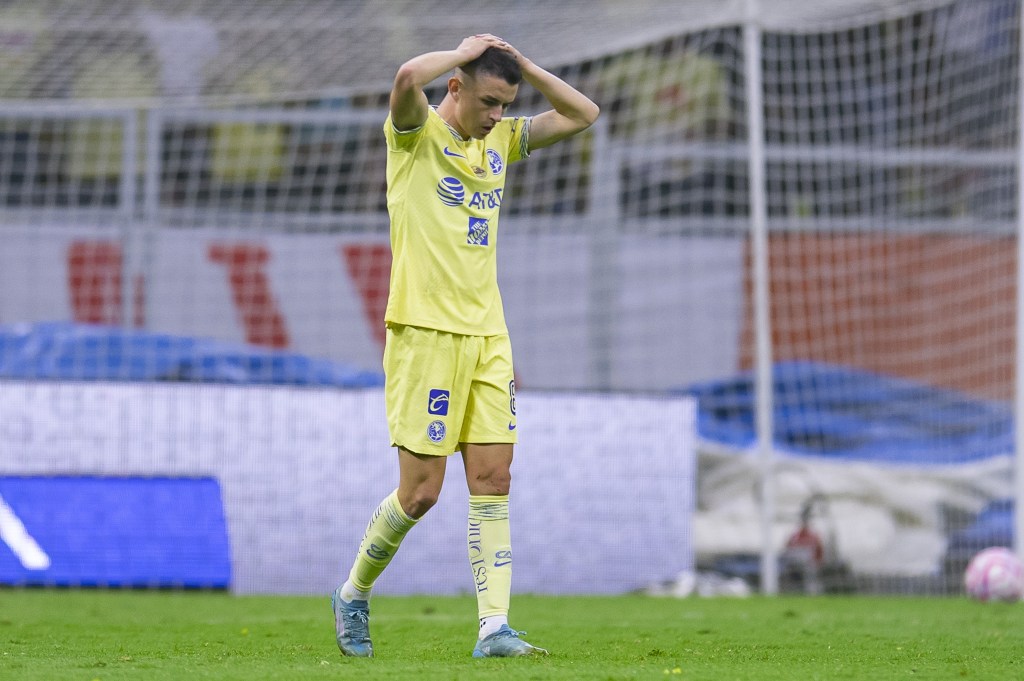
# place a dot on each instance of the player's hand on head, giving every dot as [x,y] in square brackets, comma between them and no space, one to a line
[473,46]
[508,47]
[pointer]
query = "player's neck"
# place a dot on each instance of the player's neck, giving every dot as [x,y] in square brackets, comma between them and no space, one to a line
[446,110]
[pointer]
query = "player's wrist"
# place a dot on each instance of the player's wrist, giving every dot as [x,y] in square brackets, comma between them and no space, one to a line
[532,73]
[527,66]
[463,56]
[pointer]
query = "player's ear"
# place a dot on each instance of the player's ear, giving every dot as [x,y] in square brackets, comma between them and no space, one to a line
[454,87]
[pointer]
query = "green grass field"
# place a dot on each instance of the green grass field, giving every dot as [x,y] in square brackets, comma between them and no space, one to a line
[86,635]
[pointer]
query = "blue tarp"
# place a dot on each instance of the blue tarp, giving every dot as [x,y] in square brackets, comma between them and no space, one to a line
[68,351]
[993,526]
[846,413]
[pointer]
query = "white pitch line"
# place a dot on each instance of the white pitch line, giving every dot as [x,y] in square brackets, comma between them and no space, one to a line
[14,534]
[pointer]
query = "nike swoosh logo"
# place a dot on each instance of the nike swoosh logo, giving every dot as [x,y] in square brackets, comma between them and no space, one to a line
[452,153]
[511,426]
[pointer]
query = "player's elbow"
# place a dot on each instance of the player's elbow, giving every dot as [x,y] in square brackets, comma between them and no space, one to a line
[407,78]
[585,116]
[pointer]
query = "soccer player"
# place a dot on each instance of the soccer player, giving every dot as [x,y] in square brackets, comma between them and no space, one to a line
[447,360]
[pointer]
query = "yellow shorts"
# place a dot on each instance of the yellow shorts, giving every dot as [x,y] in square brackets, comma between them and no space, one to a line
[443,389]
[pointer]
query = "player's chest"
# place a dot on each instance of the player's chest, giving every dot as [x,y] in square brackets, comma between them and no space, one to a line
[474,163]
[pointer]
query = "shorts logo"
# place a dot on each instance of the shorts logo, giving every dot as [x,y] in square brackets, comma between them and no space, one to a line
[437,402]
[478,229]
[494,160]
[436,431]
[451,192]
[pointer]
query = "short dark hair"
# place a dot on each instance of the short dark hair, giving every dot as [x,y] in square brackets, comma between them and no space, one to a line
[496,62]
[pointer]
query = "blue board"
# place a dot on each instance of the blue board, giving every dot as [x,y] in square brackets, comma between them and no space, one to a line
[125,532]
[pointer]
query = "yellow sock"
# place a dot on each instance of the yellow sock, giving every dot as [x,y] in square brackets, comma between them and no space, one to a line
[490,553]
[384,534]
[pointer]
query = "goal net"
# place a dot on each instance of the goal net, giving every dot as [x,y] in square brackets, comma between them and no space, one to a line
[193,191]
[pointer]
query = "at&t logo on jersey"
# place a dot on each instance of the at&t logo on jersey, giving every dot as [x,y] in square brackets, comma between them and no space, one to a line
[495,162]
[478,230]
[490,199]
[437,402]
[450,191]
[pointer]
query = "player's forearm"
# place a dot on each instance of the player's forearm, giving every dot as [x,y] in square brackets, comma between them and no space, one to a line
[564,98]
[420,71]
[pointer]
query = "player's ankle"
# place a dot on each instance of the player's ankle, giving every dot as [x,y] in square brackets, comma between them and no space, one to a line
[489,625]
[350,593]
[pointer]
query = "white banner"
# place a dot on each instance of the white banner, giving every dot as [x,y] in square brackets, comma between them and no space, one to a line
[602,494]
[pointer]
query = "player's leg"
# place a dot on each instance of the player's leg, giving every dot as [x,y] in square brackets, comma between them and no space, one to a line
[488,534]
[351,601]
[490,548]
[415,361]
[489,433]
[420,479]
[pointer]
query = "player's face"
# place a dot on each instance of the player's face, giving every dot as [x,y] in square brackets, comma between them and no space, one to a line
[482,102]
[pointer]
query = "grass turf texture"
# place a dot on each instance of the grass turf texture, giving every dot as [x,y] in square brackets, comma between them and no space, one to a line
[106,635]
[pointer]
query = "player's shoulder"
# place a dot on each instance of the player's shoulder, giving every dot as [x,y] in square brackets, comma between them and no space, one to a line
[511,124]
[433,130]
[515,131]
[432,124]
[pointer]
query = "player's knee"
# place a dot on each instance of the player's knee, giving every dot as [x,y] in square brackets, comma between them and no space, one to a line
[496,482]
[420,501]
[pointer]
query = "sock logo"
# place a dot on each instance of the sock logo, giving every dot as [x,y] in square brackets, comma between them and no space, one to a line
[502,558]
[377,553]
[476,556]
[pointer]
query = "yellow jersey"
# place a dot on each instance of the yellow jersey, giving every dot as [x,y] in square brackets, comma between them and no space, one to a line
[444,194]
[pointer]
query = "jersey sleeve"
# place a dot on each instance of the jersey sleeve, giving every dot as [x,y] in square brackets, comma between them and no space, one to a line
[401,140]
[519,139]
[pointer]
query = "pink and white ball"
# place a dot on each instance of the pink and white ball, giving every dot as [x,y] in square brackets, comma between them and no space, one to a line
[995,574]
